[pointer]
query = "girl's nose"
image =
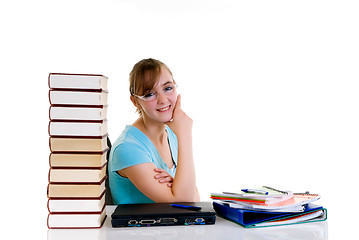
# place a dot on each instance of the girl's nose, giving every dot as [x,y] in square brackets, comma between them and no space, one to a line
[161,97]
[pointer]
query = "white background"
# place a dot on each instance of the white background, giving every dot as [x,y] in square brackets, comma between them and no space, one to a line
[272,87]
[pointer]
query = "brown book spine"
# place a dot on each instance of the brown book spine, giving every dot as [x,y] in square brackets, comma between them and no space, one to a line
[71,168]
[78,137]
[83,168]
[82,198]
[78,183]
[74,198]
[90,153]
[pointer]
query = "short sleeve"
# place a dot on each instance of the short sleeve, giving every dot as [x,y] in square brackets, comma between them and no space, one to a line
[129,154]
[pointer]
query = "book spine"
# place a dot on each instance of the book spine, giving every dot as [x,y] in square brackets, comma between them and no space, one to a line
[69,213]
[98,128]
[78,152]
[77,74]
[50,227]
[99,172]
[77,90]
[79,183]
[82,198]
[81,168]
[79,137]
[78,121]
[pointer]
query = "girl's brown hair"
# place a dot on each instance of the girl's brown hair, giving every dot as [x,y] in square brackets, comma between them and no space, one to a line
[144,76]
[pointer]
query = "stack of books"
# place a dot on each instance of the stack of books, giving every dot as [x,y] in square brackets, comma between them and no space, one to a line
[78,145]
[266,206]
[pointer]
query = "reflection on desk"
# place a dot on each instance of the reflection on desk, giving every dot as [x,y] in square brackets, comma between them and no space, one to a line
[223,229]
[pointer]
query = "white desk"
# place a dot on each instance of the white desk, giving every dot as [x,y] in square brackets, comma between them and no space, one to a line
[223,229]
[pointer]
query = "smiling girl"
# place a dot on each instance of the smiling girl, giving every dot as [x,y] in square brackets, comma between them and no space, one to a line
[152,160]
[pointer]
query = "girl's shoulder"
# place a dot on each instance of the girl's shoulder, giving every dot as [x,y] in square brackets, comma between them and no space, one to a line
[131,138]
[128,150]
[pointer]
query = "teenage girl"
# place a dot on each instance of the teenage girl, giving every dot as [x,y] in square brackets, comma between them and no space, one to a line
[152,160]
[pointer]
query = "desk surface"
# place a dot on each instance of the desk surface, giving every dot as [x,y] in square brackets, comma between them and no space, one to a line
[223,229]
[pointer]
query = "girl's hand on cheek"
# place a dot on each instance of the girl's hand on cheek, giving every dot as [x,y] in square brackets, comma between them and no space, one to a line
[181,123]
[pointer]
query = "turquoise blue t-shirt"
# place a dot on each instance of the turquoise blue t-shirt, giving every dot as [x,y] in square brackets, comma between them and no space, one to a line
[131,148]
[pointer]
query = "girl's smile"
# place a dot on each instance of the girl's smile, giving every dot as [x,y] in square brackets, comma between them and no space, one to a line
[164,109]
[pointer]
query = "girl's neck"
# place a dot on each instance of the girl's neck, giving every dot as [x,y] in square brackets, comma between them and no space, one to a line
[156,131]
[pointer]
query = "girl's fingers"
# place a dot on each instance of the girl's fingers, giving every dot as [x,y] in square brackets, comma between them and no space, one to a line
[166,179]
[160,175]
[163,176]
[162,180]
[178,104]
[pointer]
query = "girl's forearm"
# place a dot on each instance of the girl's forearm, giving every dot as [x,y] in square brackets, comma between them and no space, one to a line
[184,183]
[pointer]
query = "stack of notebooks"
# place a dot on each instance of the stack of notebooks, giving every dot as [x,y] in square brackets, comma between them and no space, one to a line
[78,145]
[266,206]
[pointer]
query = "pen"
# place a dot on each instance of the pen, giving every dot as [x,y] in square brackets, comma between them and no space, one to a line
[255,191]
[186,207]
[270,188]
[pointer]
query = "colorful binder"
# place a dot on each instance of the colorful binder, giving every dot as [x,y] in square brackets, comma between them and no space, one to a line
[253,219]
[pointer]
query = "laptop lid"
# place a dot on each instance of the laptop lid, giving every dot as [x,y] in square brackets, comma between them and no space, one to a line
[162,214]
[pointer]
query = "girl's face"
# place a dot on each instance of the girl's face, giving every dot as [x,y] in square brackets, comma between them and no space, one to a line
[159,103]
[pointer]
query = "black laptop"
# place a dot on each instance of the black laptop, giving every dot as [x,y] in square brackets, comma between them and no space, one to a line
[163,214]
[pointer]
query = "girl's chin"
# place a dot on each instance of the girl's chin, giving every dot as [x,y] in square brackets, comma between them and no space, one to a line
[166,119]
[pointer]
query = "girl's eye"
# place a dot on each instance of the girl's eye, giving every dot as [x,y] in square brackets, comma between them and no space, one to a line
[168,89]
[149,95]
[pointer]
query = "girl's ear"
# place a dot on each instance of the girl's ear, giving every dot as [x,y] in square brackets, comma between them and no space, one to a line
[133,100]
[135,103]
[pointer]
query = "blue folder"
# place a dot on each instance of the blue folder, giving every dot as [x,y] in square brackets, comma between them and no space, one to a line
[248,218]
